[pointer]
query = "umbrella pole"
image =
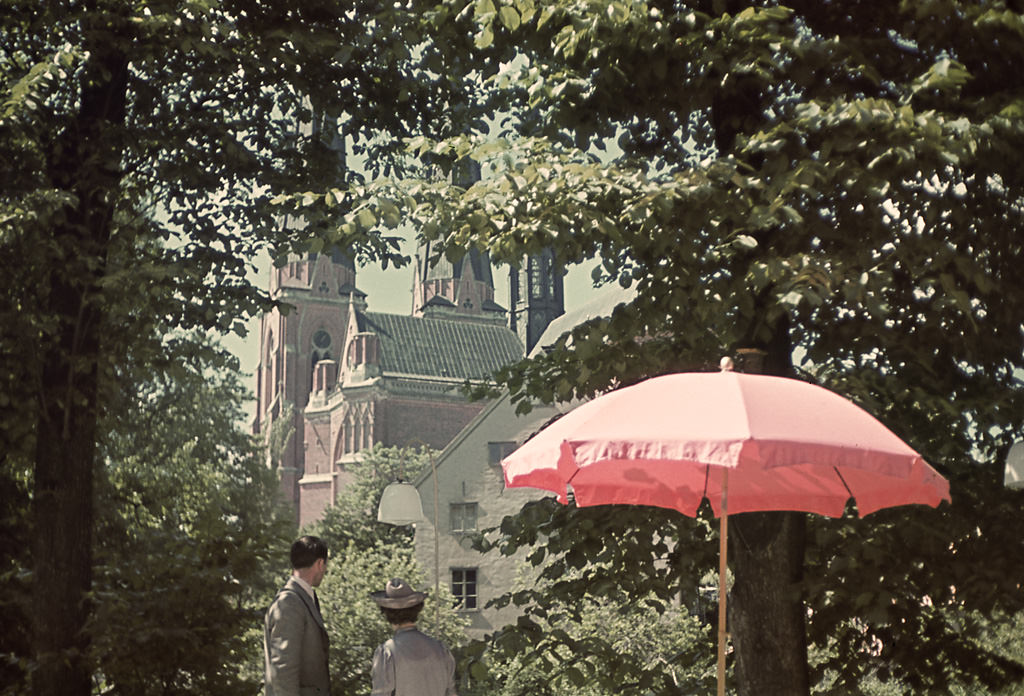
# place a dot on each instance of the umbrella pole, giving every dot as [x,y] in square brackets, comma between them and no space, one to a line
[723,565]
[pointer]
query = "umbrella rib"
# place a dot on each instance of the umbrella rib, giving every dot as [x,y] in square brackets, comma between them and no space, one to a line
[836,469]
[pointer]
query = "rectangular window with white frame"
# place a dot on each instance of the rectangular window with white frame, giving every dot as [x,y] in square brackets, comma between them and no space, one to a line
[464,589]
[463,517]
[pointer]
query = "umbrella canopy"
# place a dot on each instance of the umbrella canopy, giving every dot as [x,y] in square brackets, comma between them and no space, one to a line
[746,442]
[788,445]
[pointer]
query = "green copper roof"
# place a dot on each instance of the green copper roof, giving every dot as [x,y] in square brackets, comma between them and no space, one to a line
[441,347]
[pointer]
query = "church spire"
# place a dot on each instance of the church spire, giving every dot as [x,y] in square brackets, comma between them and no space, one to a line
[536,296]
[462,289]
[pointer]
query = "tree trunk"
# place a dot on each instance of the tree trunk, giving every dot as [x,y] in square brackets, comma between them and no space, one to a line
[63,520]
[86,162]
[765,605]
[766,550]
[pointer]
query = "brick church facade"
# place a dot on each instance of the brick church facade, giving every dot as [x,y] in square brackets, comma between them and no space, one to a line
[343,379]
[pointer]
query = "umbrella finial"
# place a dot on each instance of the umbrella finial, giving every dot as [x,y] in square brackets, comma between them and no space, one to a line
[726,364]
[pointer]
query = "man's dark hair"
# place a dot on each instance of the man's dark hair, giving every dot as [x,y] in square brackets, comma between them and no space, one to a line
[308,550]
[401,616]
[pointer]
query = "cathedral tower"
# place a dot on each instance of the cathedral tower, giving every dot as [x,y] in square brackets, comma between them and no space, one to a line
[536,296]
[320,288]
[336,379]
[461,289]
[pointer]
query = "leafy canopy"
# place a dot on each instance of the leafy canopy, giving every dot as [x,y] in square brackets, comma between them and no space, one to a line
[140,144]
[834,183]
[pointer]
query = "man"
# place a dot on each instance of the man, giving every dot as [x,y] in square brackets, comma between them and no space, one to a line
[410,663]
[294,638]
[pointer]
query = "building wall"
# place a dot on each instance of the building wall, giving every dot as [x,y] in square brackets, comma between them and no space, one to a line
[335,427]
[317,492]
[466,476]
[433,422]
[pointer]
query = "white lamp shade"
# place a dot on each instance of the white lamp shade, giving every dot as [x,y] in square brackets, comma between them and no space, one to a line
[1014,475]
[400,504]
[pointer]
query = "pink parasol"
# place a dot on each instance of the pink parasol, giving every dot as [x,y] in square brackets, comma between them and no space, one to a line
[747,442]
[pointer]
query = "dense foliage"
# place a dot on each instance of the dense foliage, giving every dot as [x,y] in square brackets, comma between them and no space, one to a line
[835,184]
[589,629]
[190,530]
[140,143]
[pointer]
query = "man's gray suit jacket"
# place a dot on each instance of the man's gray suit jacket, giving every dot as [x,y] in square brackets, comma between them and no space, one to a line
[295,645]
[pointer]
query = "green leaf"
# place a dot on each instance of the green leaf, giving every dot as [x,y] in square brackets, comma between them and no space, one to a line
[509,17]
[478,671]
[366,218]
[546,13]
[745,241]
[575,676]
[484,39]
[390,214]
